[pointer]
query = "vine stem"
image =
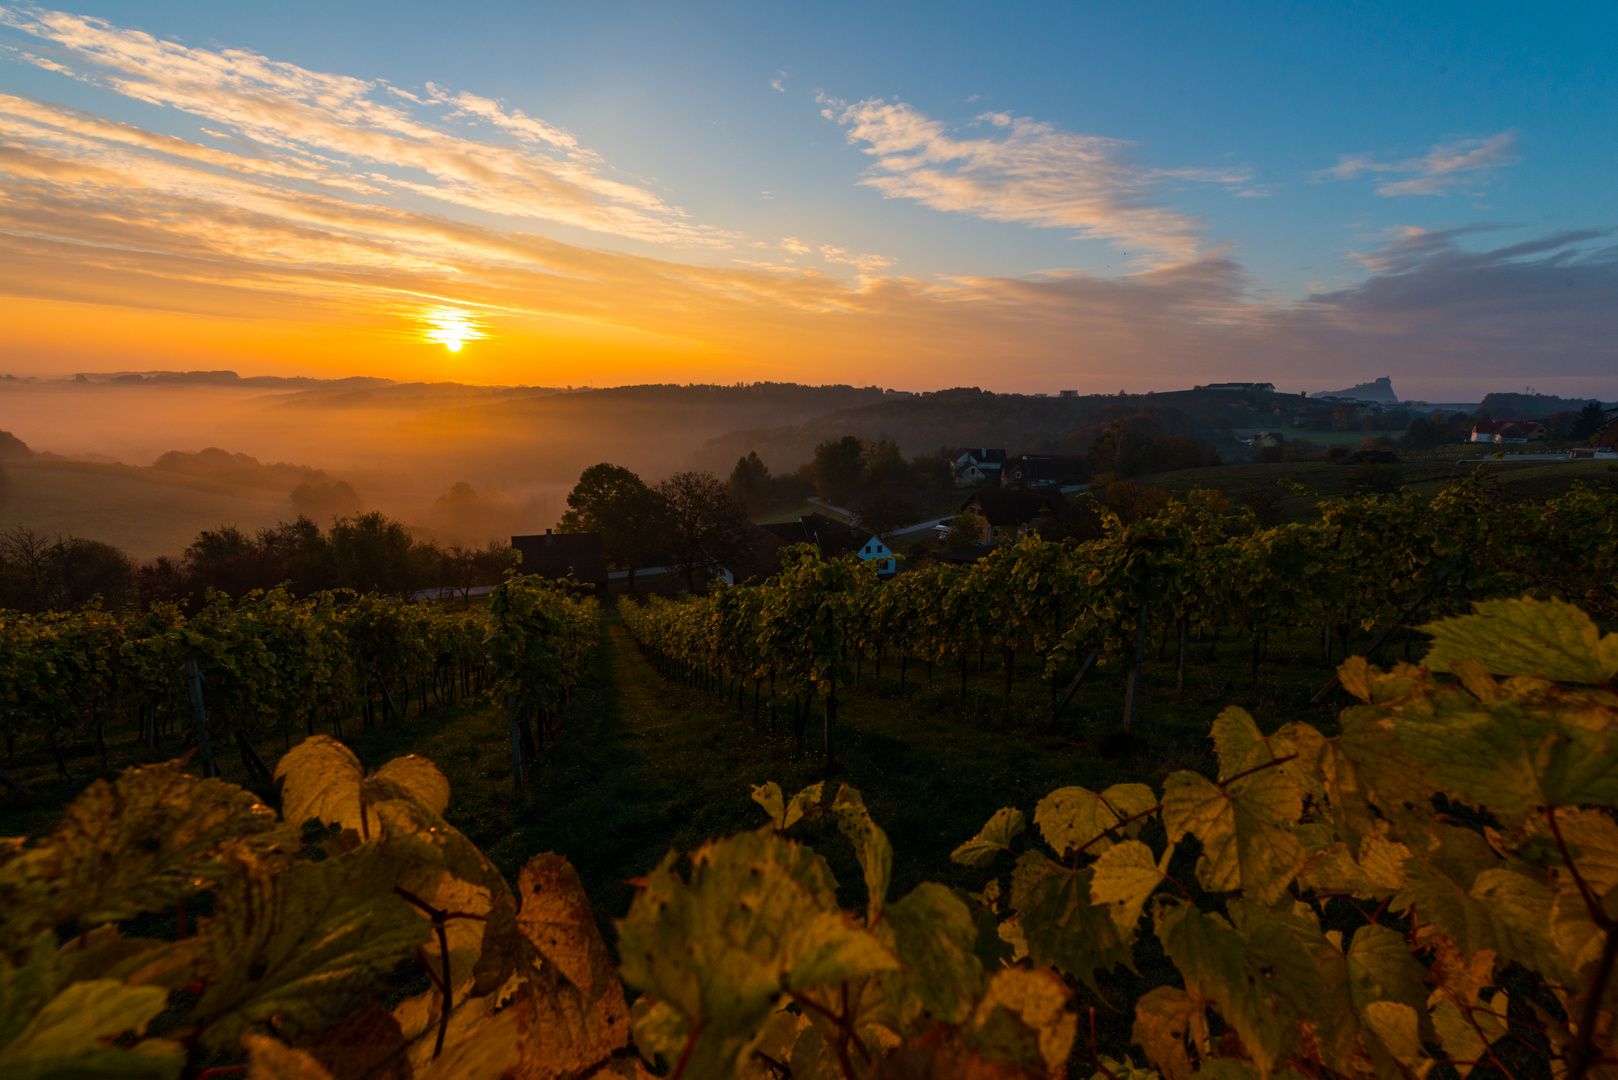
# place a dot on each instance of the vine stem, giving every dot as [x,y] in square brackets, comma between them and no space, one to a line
[1095,1058]
[1597,915]
[439,918]
[775,1066]
[685,1054]
[1580,1059]
[844,1026]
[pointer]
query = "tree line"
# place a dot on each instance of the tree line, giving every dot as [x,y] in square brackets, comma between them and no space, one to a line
[365,552]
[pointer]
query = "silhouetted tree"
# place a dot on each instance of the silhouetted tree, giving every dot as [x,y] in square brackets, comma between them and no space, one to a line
[704,525]
[374,553]
[60,573]
[1591,417]
[631,517]
[750,483]
[884,502]
[838,466]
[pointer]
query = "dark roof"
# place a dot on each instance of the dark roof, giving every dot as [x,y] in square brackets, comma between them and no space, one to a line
[831,536]
[758,553]
[1010,506]
[556,555]
[984,455]
[1500,427]
[1043,469]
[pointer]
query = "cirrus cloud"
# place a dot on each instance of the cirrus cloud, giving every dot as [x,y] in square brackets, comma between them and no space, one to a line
[1025,171]
[1437,172]
[351,133]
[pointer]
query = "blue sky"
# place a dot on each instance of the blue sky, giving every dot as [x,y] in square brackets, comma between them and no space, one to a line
[1393,156]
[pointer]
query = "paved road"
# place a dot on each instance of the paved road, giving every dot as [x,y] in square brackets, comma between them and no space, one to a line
[645,571]
[921,528]
[450,594]
[824,505]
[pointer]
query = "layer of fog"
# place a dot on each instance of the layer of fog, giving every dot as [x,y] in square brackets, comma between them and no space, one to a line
[458,463]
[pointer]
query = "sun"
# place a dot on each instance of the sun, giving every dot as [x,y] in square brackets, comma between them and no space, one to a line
[450,327]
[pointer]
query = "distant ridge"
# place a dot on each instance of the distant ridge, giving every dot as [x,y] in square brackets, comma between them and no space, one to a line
[223,378]
[1379,391]
[1532,406]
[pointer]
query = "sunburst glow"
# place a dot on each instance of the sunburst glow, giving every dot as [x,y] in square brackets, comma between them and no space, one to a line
[450,327]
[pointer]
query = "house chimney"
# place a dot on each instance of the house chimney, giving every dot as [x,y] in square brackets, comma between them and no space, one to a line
[547,532]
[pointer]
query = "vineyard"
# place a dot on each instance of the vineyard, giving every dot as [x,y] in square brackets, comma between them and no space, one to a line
[268,667]
[1430,892]
[1194,572]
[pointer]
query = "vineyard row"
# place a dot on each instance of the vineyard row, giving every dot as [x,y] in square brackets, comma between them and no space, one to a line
[268,665]
[1370,561]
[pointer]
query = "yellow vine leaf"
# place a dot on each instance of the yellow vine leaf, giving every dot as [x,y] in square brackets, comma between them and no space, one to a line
[871,846]
[271,1059]
[1125,877]
[556,919]
[421,778]
[1023,1020]
[1162,1016]
[320,778]
[1072,817]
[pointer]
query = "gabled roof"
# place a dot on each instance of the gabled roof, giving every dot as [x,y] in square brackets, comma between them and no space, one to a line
[1499,427]
[758,553]
[1009,506]
[831,536]
[983,455]
[556,555]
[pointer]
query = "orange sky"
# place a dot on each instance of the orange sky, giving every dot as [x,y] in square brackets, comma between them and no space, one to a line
[269,218]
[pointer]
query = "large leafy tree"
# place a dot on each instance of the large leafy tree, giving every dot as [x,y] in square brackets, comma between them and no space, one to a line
[750,482]
[704,524]
[838,467]
[615,502]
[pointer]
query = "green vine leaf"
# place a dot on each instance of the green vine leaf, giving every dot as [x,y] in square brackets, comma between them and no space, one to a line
[995,837]
[1546,639]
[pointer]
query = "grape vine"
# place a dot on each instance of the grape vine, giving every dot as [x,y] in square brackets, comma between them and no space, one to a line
[1431,891]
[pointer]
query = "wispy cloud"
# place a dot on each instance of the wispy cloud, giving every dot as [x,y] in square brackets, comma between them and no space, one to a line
[865,263]
[1465,162]
[363,135]
[779,82]
[1025,171]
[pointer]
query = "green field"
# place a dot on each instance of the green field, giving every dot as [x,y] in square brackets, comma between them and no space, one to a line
[793,513]
[1426,475]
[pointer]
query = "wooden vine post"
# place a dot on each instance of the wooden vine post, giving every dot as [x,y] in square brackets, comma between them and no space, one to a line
[199,713]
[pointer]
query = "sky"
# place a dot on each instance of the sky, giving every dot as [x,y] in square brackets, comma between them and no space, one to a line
[1028,197]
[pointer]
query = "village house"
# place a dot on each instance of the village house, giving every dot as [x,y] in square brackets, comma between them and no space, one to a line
[556,555]
[1042,471]
[1005,514]
[976,466]
[1504,431]
[1606,436]
[833,538]
[757,556]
